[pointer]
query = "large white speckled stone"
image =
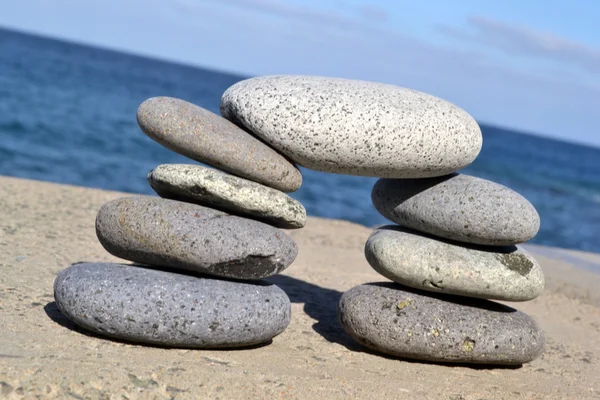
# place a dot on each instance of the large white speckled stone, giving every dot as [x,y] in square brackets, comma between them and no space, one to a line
[423,262]
[355,127]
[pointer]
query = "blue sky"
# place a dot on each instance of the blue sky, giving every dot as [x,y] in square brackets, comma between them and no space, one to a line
[532,65]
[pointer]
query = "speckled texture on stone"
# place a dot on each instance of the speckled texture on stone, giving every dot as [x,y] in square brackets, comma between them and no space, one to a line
[427,263]
[355,127]
[174,234]
[216,189]
[206,137]
[403,322]
[458,207]
[164,308]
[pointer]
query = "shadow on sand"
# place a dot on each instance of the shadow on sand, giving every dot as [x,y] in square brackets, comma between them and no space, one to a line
[55,315]
[321,304]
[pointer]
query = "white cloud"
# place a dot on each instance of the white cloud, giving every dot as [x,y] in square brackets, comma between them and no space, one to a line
[290,11]
[523,41]
[373,13]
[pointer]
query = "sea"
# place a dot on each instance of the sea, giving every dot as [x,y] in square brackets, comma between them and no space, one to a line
[67,115]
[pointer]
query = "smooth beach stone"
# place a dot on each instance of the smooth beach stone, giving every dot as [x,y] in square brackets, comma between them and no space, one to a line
[423,262]
[152,306]
[216,189]
[458,207]
[355,127]
[209,138]
[179,235]
[403,322]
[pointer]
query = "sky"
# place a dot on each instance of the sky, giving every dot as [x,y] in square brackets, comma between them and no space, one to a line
[530,65]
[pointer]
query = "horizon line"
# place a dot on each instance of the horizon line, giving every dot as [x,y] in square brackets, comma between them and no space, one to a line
[187,64]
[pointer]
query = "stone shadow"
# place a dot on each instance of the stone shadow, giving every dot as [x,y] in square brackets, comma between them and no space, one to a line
[53,312]
[321,304]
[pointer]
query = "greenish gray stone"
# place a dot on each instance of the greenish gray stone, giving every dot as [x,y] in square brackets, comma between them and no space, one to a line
[179,235]
[403,322]
[153,306]
[423,262]
[458,207]
[355,127]
[206,137]
[216,189]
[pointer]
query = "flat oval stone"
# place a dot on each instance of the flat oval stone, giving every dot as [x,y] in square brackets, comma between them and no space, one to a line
[216,189]
[458,207]
[179,235]
[405,323]
[206,137]
[423,262]
[169,309]
[355,127]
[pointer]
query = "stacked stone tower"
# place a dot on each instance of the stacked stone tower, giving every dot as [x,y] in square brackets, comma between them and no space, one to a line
[202,249]
[455,245]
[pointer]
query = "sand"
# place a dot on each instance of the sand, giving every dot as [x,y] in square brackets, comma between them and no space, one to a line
[45,227]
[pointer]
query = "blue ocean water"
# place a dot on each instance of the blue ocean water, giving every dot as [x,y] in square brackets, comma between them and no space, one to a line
[67,114]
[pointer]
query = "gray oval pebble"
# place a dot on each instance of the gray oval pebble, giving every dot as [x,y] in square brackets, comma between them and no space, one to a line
[403,322]
[209,138]
[216,189]
[458,207]
[174,234]
[170,309]
[422,262]
[355,127]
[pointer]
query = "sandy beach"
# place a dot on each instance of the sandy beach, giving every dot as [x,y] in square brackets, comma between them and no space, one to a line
[46,227]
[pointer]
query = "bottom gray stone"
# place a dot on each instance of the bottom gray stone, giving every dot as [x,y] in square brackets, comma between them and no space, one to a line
[404,322]
[140,304]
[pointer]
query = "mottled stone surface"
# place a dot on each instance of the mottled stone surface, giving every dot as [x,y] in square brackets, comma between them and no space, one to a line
[458,207]
[169,309]
[403,322]
[424,262]
[180,235]
[355,127]
[206,137]
[216,189]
